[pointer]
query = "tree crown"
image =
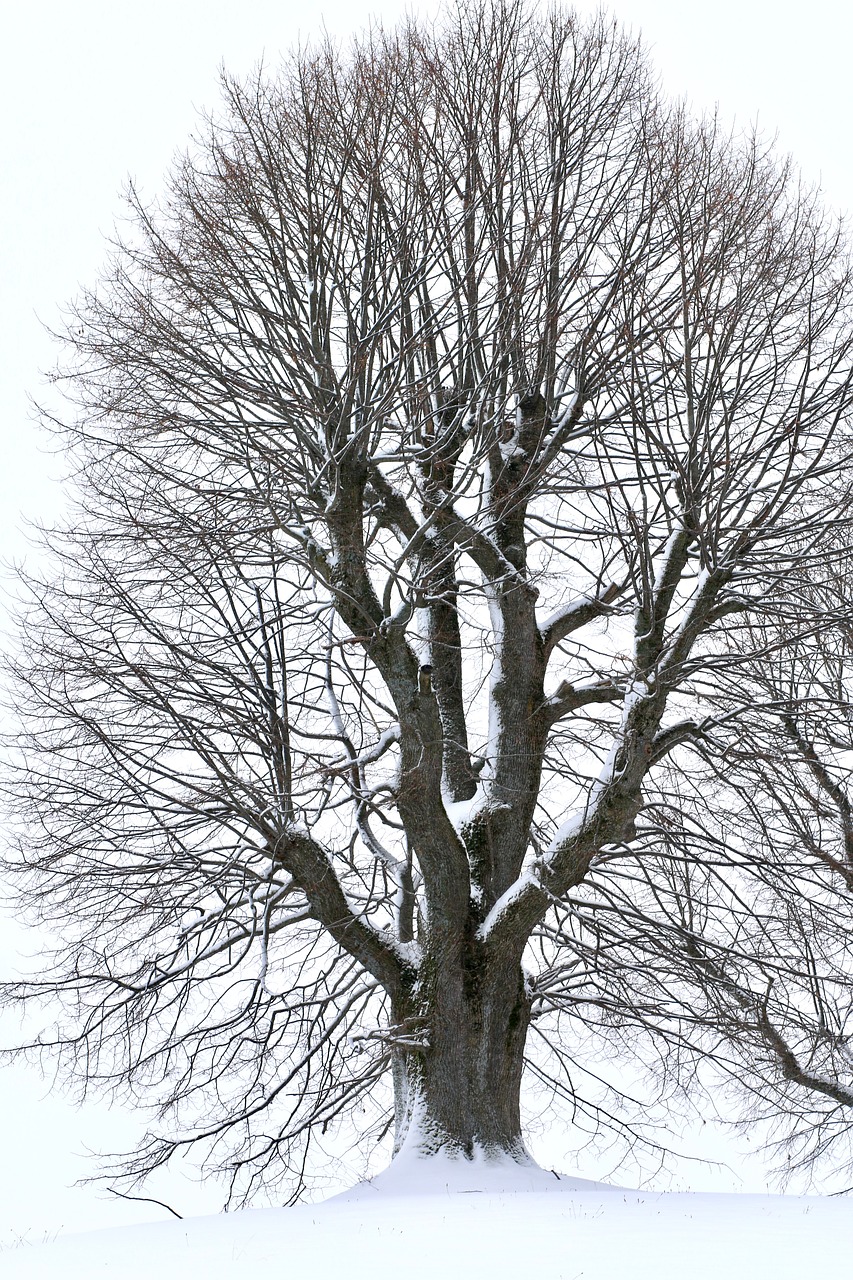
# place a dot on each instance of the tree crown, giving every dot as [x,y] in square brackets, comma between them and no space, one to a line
[462,447]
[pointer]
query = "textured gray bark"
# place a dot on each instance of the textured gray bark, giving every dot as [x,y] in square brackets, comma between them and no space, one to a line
[461,1092]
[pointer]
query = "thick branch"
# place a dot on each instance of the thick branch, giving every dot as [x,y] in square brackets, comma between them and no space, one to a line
[569,697]
[312,871]
[441,855]
[445,644]
[668,739]
[793,1071]
[576,614]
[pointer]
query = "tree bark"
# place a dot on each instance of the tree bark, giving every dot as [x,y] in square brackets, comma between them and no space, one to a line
[458,1084]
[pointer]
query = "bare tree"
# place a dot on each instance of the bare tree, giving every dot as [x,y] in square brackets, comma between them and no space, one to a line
[452,442]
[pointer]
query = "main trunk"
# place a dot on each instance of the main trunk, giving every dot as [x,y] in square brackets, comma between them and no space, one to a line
[457,1076]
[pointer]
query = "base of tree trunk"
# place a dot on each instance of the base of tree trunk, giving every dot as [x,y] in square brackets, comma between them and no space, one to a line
[425,1148]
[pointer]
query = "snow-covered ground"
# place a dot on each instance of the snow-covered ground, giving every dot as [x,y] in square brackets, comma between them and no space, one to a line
[445,1221]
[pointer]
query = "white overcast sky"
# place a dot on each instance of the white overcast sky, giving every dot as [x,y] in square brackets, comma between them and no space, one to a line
[95,92]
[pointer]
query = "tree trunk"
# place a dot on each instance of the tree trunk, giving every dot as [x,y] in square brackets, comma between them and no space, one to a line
[458,1091]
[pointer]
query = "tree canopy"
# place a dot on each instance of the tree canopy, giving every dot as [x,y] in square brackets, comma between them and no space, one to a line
[442,682]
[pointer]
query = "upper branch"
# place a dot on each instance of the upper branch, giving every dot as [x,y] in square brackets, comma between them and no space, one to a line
[615,796]
[432,835]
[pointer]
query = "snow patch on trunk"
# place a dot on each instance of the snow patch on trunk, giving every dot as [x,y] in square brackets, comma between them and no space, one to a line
[463,812]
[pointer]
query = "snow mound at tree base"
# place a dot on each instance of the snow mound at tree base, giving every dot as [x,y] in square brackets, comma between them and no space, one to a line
[588,1232]
[413,1175]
